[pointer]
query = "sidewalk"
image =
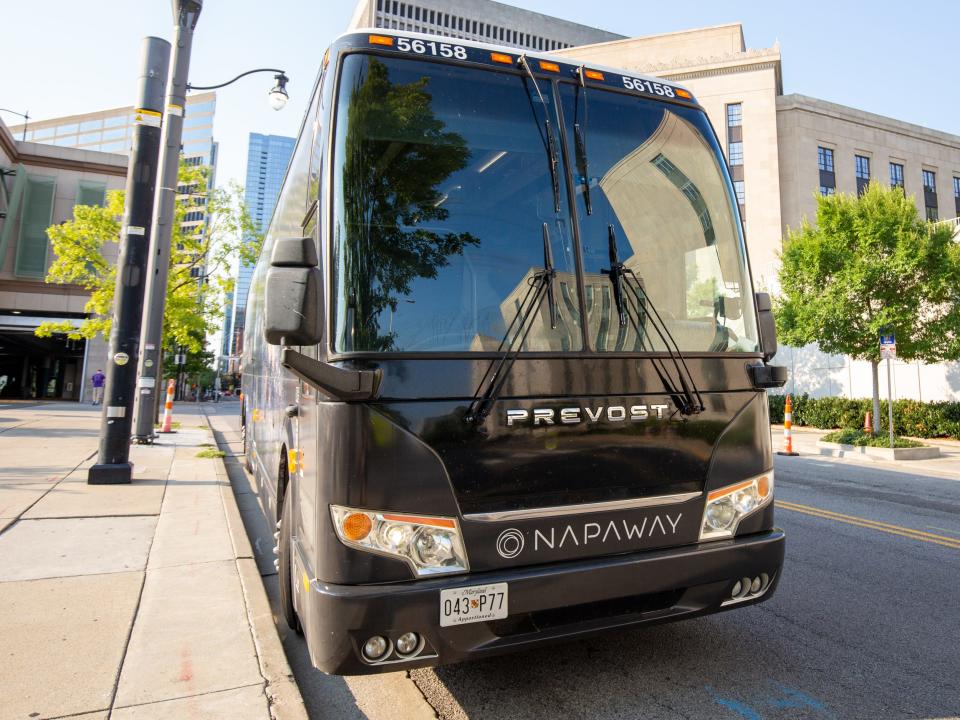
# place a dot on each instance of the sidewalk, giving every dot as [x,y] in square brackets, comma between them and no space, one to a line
[805,442]
[129,601]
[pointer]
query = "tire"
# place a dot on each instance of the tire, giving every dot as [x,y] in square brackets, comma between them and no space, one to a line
[285,569]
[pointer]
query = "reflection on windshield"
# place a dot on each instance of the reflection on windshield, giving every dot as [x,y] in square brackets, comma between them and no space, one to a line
[441,194]
[662,188]
[396,154]
[441,198]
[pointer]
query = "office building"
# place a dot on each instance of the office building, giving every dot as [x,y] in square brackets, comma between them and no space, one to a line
[782,150]
[267,159]
[39,186]
[112,131]
[481,20]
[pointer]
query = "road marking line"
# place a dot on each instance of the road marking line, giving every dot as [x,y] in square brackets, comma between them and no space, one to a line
[946,530]
[797,506]
[949,542]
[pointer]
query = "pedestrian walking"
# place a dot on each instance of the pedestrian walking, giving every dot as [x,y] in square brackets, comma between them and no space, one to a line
[98,379]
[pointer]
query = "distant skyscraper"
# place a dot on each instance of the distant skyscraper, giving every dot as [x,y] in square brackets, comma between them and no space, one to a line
[267,159]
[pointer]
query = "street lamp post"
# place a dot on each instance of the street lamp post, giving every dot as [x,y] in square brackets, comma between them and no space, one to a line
[26,119]
[152,339]
[185,14]
[113,462]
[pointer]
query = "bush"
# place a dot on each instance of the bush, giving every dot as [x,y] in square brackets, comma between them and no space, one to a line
[910,417]
[860,438]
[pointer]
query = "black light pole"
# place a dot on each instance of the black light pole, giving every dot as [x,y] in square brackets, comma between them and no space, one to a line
[186,13]
[26,119]
[113,463]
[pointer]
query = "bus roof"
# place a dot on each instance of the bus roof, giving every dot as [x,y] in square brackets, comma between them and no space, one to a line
[361,37]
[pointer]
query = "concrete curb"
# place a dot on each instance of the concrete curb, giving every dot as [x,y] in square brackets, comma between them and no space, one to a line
[841,450]
[283,695]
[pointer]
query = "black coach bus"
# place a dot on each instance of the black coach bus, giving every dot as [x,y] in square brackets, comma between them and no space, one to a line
[504,367]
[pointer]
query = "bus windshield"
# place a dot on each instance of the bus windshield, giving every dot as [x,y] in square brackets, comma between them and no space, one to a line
[442,189]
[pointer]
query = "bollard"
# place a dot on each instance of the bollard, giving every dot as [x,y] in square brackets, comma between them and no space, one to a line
[787,424]
[168,408]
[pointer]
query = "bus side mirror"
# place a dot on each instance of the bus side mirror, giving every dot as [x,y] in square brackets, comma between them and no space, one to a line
[293,303]
[768,328]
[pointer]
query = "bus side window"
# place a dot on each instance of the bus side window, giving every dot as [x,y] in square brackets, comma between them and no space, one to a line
[316,147]
[310,221]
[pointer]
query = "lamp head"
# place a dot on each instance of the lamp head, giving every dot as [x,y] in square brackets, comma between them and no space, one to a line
[278,95]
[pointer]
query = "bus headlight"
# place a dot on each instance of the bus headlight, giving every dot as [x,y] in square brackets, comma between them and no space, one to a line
[429,545]
[727,506]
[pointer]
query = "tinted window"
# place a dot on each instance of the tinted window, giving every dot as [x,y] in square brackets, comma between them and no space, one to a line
[442,189]
[657,183]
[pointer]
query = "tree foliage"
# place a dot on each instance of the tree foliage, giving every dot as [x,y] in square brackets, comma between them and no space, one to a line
[200,263]
[871,265]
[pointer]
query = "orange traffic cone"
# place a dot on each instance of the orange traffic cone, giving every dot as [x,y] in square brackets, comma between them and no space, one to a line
[168,408]
[868,423]
[787,424]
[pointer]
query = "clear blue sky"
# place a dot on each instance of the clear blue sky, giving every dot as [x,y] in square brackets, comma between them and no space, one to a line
[62,56]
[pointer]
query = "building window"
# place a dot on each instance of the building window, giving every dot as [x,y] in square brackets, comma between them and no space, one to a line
[930,193]
[862,163]
[956,194]
[896,175]
[825,159]
[735,115]
[736,153]
[863,167]
[930,180]
[828,180]
[738,188]
[932,214]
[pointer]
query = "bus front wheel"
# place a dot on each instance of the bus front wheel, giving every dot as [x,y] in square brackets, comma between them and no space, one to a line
[285,569]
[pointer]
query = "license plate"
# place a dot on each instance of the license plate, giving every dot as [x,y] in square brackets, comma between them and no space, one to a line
[478,603]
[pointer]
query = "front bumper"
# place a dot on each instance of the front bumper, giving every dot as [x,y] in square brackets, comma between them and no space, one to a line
[547,603]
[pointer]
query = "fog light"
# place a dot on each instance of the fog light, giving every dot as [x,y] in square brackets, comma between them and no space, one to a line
[736,589]
[375,648]
[744,586]
[764,581]
[755,585]
[407,643]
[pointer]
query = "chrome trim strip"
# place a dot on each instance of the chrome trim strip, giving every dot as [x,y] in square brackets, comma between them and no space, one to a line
[562,510]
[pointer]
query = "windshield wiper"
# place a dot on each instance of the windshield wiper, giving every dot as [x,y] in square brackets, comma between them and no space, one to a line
[692,401]
[541,286]
[580,140]
[551,143]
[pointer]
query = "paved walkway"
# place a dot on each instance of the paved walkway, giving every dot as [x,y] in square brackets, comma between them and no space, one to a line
[129,601]
[805,442]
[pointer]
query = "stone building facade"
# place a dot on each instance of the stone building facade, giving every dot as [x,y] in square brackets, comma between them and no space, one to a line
[39,186]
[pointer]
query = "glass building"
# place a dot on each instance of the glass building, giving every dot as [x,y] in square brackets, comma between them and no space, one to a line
[112,131]
[267,159]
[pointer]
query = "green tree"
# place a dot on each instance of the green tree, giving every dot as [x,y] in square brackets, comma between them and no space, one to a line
[871,265]
[200,262]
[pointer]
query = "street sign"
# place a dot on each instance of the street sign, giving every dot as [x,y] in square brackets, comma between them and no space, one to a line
[888,347]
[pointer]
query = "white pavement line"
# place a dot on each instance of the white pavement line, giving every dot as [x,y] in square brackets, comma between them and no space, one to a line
[286,702]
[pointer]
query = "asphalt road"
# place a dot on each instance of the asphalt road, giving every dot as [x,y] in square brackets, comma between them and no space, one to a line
[865,624]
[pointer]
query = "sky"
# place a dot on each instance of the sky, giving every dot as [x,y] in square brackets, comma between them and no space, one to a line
[63,57]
